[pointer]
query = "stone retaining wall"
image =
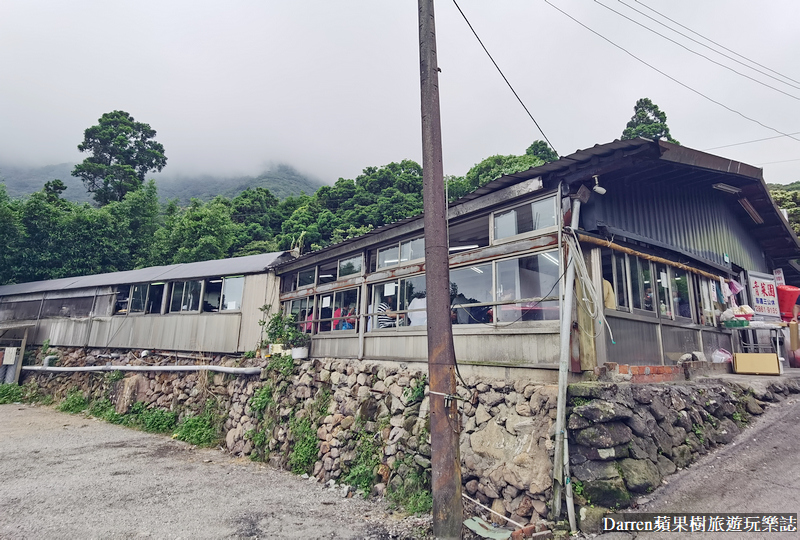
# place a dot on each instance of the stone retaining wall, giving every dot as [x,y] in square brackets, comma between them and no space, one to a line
[624,438]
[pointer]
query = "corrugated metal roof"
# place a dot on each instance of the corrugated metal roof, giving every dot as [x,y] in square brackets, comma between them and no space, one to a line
[252,264]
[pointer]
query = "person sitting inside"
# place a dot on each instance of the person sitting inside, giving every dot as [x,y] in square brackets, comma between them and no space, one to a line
[387,318]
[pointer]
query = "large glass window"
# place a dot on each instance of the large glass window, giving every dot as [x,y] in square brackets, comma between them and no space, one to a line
[525,218]
[389,256]
[471,285]
[383,309]
[325,312]
[306,277]
[185,296]
[122,293]
[345,310]
[526,280]
[681,306]
[213,295]
[138,298]
[412,250]
[327,272]
[663,290]
[232,291]
[348,267]
[413,297]
[303,311]
[470,234]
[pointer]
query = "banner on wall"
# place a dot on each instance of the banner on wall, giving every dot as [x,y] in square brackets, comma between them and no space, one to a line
[763,294]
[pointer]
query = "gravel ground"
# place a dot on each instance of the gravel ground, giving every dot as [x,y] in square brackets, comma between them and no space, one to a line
[69,476]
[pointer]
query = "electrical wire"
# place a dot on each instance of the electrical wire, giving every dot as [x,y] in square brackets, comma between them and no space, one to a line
[774,162]
[715,43]
[748,142]
[670,77]
[702,45]
[504,77]
[701,55]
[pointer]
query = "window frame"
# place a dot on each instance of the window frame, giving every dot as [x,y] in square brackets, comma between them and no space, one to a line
[398,245]
[529,234]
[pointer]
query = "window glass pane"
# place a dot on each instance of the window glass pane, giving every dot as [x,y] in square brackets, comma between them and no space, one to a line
[213,295]
[505,224]
[525,278]
[525,218]
[191,296]
[348,267]
[232,293]
[121,302]
[289,282]
[345,309]
[609,294]
[470,234]
[707,316]
[154,298]
[412,250]
[413,298]
[620,280]
[388,257]
[306,277]
[325,312]
[177,296]
[664,296]
[471,285]
[383,305]
[636,282]
[647,285]
[303,311]
[327,272]
[681,306]
[138,297]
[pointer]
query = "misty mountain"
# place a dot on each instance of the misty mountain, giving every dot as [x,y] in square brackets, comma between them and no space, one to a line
[282,180]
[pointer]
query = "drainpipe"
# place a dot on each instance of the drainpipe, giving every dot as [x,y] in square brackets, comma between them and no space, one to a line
[563,371]
[83,369]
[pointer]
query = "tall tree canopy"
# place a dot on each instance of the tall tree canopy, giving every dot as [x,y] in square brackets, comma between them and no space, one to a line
[122,153]
[648,121]
[542,150]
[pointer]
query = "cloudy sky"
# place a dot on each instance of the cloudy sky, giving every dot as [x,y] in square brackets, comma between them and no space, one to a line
[333,87]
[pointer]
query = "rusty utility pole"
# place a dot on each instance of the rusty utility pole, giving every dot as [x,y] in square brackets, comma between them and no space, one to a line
[445,419]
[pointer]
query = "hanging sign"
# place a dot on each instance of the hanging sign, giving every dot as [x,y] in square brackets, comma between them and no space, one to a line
[763,294]
[779,279]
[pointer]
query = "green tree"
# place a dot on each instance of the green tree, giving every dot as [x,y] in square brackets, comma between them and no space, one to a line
[10,233]
[542,150]
[789,201]
[122,153]
[200,232]
[648,121]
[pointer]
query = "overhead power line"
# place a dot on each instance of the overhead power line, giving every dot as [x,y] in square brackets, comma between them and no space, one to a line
[504,77]
[643,14]
[774,162]
[701,55]
[670,77]
[748,142]
[715,43]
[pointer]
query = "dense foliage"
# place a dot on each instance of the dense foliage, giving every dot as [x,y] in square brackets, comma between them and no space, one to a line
[46,236]
[122,153]
[648,121]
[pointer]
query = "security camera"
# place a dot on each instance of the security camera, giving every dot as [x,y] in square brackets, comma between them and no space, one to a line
[600,190]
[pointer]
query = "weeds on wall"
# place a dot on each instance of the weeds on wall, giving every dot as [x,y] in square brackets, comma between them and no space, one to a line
[74,403]
[363,469]
[11,393]
[204,429]
[304,451]
[414,493]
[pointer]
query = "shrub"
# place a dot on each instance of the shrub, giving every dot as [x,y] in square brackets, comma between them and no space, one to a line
[304,452]
[73,403]
[10,393]
[367,458]
[203,429]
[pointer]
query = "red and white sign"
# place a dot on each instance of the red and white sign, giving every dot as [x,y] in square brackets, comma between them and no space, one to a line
[779,280]
[764,294]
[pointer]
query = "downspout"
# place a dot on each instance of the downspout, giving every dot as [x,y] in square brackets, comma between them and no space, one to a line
[563,371]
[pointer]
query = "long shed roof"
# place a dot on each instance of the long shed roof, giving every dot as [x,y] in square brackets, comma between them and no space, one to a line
[251,264]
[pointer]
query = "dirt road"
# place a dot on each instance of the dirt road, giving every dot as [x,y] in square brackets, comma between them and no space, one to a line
[67,476]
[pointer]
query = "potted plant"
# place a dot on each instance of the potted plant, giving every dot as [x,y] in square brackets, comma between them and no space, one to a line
[298,341]
[275,328]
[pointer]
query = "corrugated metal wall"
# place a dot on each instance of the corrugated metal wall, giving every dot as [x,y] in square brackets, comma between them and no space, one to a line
[259,289]
[696,221]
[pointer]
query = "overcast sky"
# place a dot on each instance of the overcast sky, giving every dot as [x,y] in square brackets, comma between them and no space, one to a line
[331,87]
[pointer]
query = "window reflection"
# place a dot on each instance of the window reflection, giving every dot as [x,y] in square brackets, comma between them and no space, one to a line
[536,276]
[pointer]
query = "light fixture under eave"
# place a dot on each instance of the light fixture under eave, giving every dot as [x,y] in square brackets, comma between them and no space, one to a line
[751,211]
[727,188]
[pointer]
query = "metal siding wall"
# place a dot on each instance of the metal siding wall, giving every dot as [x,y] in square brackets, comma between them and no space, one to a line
[678,341]
[636,342]
[259,289]
[698,223]
[335,347]
[62,332]
[206,332]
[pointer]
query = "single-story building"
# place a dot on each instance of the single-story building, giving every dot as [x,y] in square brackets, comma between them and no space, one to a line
[663,232]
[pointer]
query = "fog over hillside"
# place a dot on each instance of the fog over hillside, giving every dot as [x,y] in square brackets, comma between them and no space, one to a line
[282,180]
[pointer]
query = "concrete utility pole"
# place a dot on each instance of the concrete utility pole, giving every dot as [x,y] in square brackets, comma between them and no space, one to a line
[445,419]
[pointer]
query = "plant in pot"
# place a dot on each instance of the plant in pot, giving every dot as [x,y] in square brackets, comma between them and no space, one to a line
[276,328]
[298,341]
